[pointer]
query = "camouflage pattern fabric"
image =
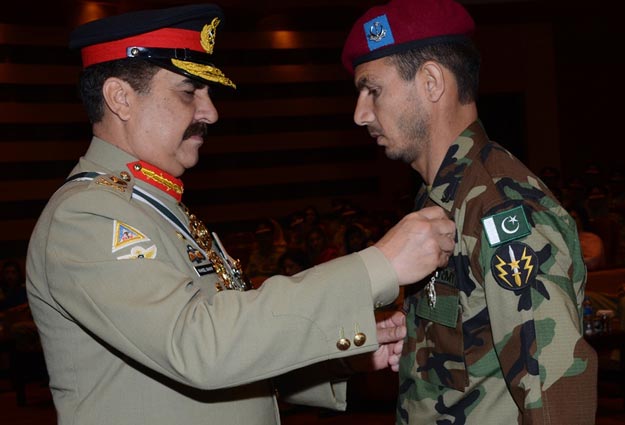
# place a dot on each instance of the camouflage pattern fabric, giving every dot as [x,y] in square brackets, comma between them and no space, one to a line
[499,339]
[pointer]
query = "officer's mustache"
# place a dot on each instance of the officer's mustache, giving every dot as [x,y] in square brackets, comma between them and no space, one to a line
[197,129]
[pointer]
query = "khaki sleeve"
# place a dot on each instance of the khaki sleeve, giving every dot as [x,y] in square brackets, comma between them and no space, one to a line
[154,311]
[383,277]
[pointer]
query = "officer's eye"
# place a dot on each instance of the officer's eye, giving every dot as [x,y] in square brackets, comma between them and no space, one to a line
[374,91]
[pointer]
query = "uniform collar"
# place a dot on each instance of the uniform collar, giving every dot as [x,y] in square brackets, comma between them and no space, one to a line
[459,156]
[157,178]
[117,161]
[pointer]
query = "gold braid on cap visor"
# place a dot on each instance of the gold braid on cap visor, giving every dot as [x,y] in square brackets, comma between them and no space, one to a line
[207,72]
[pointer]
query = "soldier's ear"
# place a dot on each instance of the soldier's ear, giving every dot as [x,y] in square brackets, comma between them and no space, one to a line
[433,80]
[116,93]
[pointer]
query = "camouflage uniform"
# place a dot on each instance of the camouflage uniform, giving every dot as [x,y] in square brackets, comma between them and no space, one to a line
[498,341]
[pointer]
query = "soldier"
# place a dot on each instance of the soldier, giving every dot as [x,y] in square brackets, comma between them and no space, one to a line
[144,318]
[495,336]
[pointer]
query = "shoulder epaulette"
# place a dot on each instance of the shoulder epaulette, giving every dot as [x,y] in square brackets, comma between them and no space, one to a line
[118,184]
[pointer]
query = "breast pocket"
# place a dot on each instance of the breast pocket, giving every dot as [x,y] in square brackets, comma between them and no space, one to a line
[439,349]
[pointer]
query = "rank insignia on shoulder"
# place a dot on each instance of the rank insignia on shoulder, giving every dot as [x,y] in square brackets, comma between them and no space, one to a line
[125,235]
[112,182]
[138,252]
[514,266]
[506,226]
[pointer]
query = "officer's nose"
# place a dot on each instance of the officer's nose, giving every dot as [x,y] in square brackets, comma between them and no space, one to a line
[206,110]
[363,114]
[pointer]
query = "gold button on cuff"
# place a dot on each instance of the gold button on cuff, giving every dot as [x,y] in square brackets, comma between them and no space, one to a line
[359,339]
[343,344]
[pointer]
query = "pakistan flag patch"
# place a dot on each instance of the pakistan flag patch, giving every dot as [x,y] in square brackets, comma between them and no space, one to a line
[506,226]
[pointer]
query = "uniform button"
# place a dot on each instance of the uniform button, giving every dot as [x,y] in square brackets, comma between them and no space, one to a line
[343,344]
[359,339]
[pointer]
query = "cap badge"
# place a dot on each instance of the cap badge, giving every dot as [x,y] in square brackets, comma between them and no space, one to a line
[208,34]
[378,32]
[205,71]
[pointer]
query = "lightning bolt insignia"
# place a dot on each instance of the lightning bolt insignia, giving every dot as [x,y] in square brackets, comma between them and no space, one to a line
[502,272]
[513,266]
[527,266]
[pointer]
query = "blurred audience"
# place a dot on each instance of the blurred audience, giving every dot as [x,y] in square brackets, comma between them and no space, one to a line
[12,285]
[293,261]
[591,244]
[355,238]
[319,248]
[17,321]
[269,245]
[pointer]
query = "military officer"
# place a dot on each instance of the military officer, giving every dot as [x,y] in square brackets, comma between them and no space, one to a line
[143,316]
[495,336]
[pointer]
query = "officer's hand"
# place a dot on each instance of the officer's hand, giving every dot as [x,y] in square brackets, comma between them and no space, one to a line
[390,333]
[421,242]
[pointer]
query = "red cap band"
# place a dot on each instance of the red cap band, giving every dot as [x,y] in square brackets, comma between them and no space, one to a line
[171,38]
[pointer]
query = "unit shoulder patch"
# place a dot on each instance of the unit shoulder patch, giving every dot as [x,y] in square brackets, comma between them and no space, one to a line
[125,235]
[514,266]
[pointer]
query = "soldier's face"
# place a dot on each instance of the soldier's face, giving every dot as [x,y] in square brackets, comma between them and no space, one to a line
[392,110]
[168,123]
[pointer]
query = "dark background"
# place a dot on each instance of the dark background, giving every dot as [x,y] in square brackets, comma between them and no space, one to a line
[551,92]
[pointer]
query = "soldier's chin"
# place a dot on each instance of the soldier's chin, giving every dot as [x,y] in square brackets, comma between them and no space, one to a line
[398,155]
[391,154]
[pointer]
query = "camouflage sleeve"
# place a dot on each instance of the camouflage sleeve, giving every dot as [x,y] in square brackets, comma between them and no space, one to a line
[533,283]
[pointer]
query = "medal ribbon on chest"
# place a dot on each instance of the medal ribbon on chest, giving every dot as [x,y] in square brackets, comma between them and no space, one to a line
[230,272]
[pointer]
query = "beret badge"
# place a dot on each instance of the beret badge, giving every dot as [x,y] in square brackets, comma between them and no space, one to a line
[378,32]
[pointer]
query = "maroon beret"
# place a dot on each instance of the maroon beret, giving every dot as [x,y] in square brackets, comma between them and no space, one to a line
[404,24]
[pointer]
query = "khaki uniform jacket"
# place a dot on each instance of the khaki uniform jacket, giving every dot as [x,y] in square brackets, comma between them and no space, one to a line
[134,334]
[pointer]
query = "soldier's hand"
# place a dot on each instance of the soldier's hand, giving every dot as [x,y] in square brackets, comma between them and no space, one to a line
[421,242]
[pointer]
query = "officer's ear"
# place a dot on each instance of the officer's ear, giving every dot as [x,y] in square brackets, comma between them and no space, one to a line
[117,94]
[433,80]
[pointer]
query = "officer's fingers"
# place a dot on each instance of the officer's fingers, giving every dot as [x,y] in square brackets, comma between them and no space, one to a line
[391,334]
[446,243]
[398,347]
[398,318]
[443,226]
[431,213]
[395,356]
